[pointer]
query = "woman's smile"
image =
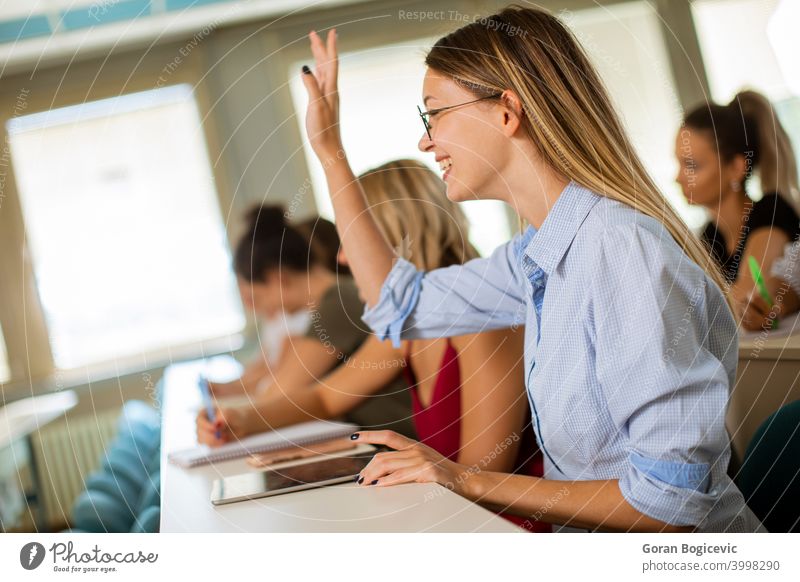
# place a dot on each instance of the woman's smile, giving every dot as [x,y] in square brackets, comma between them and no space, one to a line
[445,164]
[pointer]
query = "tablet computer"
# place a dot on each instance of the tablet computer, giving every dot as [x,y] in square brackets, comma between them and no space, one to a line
[289,479]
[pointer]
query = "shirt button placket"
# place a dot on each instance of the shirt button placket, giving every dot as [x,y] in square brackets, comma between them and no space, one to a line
[538,281]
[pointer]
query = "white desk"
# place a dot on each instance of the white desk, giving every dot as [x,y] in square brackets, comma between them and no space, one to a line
[19,420]
[185,493]
[767,378]
[24,417]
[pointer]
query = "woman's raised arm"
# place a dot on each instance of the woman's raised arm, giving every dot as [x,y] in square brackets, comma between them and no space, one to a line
[368,254]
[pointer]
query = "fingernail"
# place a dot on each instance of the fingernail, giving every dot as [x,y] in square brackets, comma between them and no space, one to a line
[357,478]
[375,482]
[354,436]
[360,480]
[306,70]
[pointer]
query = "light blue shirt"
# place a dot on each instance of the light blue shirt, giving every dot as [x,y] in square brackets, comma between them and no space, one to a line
[630,352]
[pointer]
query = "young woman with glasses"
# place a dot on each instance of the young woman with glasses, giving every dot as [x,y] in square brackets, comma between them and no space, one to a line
[630,344]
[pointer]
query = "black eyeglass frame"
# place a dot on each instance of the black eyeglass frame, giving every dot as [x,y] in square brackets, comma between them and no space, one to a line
[424,115]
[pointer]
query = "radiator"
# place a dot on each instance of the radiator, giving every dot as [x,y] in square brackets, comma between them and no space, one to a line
[65,454]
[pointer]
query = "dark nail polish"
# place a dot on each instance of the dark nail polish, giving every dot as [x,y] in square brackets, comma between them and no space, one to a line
[360,480]
[375,482]
[354,436]
[306,70]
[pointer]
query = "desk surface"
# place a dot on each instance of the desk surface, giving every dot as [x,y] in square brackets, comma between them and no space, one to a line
[23,417]
[185,493]
[767,378]
[783,343]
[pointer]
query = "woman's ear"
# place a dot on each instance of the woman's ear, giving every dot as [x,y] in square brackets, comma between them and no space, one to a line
[512,112]
[738,168]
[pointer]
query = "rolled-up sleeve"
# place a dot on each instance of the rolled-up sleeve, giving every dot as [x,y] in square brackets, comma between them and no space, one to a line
[479,295]
[665,389]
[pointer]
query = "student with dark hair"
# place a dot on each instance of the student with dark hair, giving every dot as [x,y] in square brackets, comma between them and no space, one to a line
[285,269]
[280,316]
[719,148]
[325,243]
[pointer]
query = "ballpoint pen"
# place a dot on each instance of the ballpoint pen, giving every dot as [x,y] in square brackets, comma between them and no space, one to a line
[205,392]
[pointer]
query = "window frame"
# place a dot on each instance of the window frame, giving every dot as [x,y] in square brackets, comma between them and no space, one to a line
[30,359]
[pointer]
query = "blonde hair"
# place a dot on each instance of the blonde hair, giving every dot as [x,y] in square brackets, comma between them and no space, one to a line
[568,113]
[409,203]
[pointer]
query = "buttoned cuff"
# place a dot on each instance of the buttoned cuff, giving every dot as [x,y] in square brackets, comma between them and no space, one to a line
[399,295]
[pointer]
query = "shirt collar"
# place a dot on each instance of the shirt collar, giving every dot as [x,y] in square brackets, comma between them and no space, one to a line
[548,245]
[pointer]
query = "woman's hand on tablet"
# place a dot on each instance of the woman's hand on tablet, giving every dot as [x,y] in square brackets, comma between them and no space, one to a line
[410,462]
[322,115]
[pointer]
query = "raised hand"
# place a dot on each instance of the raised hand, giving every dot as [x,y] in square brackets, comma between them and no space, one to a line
[322,115]
[231,424]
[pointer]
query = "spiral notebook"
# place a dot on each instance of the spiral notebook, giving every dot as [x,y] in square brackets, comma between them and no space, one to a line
[306,433]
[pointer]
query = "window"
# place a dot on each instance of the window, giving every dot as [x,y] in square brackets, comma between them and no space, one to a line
[380,89]
[625,43]
[766,62]
[122,218]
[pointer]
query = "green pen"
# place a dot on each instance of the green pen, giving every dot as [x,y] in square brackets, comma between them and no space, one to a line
[755,270]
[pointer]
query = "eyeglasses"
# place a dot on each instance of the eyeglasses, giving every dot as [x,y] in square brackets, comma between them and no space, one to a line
[425,115]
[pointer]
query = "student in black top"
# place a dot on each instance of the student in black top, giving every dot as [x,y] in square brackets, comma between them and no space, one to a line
[718,148]
[771,212]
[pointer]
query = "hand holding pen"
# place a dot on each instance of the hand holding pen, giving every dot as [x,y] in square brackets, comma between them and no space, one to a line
[760,311]
[208,403]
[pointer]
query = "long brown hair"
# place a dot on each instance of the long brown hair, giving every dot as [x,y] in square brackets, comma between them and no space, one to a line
[568,114]
[748,126]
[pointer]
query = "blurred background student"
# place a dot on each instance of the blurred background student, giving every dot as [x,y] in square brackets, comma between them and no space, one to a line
[283,271]
[719,147]
[276,323]
[467,392]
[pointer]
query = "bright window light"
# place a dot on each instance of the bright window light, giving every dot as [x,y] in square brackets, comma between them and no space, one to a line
[124,226]
[625,43]
[767,62]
